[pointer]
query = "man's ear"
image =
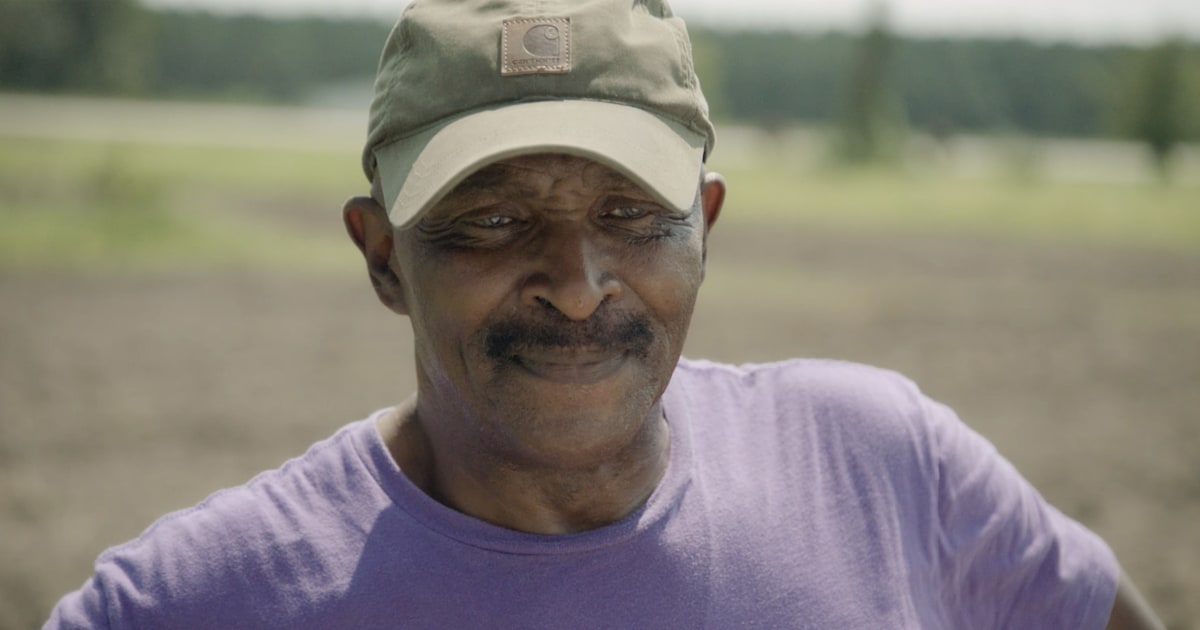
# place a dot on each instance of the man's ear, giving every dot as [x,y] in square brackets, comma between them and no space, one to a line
[369,227]
[712,197]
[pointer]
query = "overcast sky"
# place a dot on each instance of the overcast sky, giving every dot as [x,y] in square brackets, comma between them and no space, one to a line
[1074,20]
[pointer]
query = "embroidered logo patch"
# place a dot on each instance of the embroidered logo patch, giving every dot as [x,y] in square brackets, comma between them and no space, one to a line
[535,46]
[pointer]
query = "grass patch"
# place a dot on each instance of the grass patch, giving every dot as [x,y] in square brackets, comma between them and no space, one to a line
[26,163]
[65,237]
[75,202]
[1135,215]
[68,203]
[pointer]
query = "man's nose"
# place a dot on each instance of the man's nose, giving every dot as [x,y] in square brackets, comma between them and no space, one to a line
[571,274]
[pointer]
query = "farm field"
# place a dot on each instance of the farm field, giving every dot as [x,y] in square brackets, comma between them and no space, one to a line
[180,309]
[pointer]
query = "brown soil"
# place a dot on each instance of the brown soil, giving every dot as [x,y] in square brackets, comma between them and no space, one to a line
[124,395]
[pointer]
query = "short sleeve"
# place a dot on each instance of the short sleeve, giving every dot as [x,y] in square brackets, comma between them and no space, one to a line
[1007,558]
[85,608]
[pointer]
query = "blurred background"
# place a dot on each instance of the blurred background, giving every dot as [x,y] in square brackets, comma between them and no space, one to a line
[999,199]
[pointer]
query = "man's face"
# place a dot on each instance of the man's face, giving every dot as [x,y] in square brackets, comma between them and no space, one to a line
[550,298]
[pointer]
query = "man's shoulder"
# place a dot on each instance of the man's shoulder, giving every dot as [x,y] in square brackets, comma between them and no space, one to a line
[236,537]
[245,503]
[816,399]
[823,378]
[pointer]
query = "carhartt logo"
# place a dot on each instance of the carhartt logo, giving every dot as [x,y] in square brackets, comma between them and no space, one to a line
[535,46]
[541,40]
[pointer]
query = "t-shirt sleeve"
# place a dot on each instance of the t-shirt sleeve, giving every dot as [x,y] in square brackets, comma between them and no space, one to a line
[1007,558]
[84,608]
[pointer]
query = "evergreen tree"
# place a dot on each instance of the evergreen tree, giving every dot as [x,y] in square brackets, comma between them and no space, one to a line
[1159,90]
[77,45]
[867,102]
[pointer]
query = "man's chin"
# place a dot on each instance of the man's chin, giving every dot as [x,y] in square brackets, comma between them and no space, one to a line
[574,439]
[574,414]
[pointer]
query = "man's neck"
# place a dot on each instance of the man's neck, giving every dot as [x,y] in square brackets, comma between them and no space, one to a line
[540,499]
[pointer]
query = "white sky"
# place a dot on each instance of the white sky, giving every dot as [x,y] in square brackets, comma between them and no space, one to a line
[1074,20]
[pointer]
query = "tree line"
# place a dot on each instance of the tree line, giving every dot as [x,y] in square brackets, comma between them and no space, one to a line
[769,78]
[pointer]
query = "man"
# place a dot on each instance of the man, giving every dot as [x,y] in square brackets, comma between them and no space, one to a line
[539,211]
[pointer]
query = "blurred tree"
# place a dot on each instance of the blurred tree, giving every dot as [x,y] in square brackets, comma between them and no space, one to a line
[868,109]
[83,45]
[710,69]
[202,55]
[1008,85]
[772,77]
[1158,110]
[871,85]
[33,38]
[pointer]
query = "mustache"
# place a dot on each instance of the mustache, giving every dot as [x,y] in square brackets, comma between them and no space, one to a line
[607,333]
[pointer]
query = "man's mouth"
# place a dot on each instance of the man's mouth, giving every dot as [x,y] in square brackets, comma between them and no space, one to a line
[578,353]
[570,365]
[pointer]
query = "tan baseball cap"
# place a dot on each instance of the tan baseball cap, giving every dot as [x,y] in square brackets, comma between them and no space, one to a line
[464,83]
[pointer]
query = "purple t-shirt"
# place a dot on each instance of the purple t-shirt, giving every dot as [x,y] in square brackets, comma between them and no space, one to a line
[805,494]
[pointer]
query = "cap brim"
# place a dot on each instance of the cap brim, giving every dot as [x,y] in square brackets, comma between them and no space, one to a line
[660,155]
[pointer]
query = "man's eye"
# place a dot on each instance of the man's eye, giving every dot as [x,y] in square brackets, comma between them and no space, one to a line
[492,221]
[628,212]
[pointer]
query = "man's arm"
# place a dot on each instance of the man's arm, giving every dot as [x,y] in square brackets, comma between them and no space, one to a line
[1130,610]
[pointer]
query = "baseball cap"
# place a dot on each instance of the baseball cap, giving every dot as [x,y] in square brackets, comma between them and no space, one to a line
[465,83]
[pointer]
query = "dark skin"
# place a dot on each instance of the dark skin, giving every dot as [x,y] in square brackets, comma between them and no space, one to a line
[549,298]
[558,437]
